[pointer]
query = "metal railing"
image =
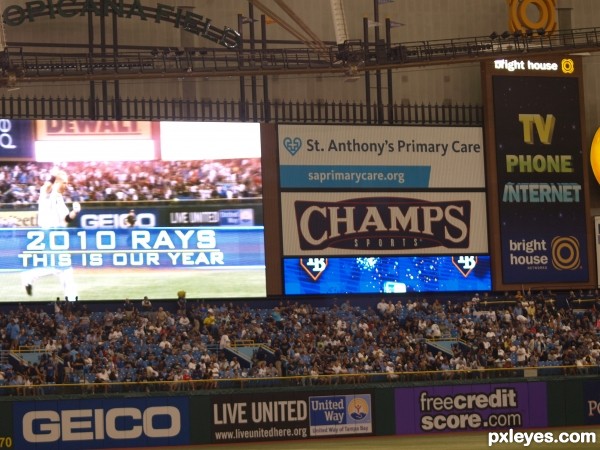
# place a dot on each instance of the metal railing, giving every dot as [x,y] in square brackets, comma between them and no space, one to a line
[290,112]
[84,387]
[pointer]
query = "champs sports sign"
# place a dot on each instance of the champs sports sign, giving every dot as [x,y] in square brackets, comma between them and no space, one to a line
[14,15]
[355,223]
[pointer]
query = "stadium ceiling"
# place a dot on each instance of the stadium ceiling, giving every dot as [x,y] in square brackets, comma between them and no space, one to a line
[30,62]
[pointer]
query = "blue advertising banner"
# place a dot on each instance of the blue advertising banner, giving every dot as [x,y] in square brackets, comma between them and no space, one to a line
[87,263]
[591,396]
[101,423]
[236,217]
[23,249]
[386,274]
[16,140]
[360,177]
[338,415]
[540,169]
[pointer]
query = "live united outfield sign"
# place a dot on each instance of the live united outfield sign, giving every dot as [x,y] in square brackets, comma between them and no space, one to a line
[183,18]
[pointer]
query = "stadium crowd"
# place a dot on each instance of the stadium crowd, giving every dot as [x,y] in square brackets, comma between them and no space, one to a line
[191,340]
[136,181]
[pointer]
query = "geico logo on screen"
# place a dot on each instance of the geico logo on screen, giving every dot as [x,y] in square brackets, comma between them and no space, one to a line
[116,220]
[100,424]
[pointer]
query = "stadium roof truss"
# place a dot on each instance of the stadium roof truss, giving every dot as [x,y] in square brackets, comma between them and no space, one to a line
[30,62]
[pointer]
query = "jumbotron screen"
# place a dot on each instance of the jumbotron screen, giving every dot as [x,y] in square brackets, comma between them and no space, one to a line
[153,208]
[387,274]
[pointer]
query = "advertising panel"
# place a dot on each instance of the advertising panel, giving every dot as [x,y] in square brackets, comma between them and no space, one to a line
[181,214]
[591,397]
[23,249]
[540,171]
[474,407]
[95,140]
[326,224]
[18,219]
[101,423]
[92,130]
[210,141]
[342,157]
[386,274]
[288,416]
[179,201]
[378,194]
[15,140]
[88,258]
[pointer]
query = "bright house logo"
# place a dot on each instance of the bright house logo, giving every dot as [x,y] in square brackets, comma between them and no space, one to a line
[567,66]
[563,252]
[532,15]
[340,415]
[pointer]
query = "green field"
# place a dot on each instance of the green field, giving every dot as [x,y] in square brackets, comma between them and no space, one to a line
[116,284]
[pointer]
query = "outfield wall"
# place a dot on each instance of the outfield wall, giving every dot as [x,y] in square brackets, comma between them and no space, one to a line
[202,417]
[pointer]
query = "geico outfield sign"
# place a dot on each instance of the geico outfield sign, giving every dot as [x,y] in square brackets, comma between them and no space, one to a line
[15,15]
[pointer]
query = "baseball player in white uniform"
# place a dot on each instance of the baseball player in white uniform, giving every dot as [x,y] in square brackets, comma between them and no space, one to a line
[54,213]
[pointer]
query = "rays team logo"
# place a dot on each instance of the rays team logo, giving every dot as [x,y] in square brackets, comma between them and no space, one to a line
[292,145]
[533,15]
[314,267]
[465,264]
[565,253]
[358,408]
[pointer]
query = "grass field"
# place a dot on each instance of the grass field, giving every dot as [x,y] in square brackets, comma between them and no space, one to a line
[116,284]
[456,441]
